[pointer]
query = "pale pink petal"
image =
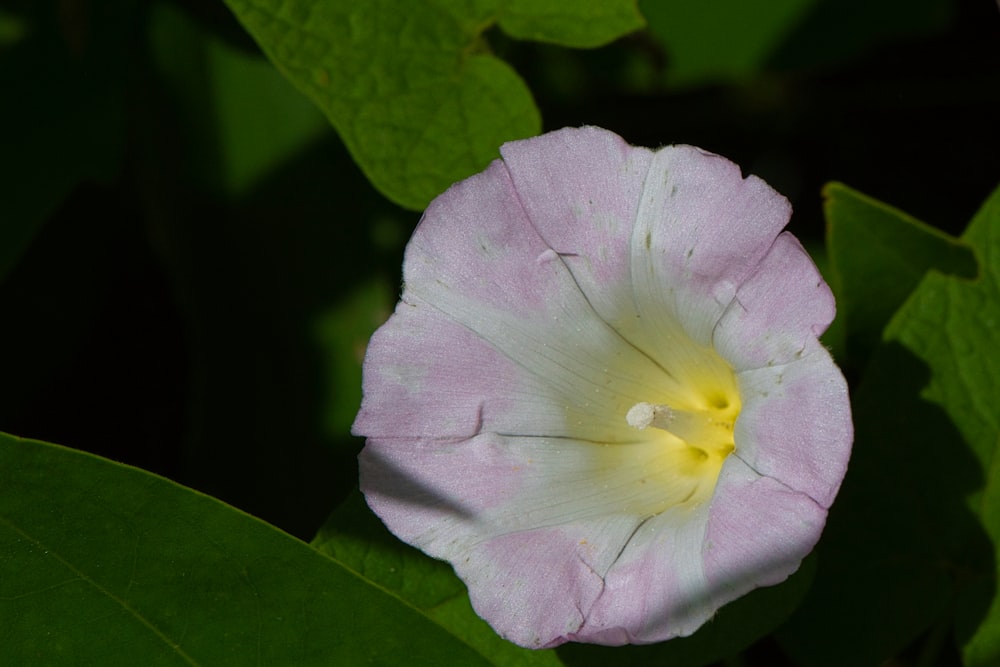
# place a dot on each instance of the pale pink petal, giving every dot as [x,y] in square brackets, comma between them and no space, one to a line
[581,187]
[466,266]
[778,312]
[657,588]
[796,424]
[701,231]
[759,531]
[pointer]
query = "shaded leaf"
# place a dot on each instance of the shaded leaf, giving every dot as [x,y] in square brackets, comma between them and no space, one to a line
[49,60]
[878,255]
[954,326]
[106,564]
[246,119]
[720,40]
[902,545]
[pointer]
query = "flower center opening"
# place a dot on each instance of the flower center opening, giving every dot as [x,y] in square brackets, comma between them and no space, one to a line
[680,441]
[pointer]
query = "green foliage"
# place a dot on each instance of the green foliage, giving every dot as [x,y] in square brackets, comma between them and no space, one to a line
[879,255]
[104,563]
[733,40]
[87,68]
[415,94]
[915,520]
[953,326]
[191,263]
[720,39]
[215,83]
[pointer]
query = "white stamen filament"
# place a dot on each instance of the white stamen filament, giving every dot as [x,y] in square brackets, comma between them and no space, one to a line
[687,426]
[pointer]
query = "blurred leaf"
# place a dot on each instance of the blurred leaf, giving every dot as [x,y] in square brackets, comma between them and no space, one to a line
[834,31]
[57,59]
[581,23]
[247,119]
[902,544]
[13,28]
[723,41]
[878,255]
[106,564]
[355,537]
[343,332]
[414,93]
[720,40]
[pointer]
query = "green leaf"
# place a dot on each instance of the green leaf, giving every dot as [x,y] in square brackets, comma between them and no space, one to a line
[414,92]
[581,23]
[355,537]
[106,564]
[342,333]
[978,618]
[720,40]
[51,60]
[953,325]
[246,119]
[906,538]
[878,255]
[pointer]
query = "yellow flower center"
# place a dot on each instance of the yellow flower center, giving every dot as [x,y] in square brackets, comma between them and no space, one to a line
[680,438]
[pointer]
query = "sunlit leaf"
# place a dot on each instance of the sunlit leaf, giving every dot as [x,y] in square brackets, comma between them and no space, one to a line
[414,91]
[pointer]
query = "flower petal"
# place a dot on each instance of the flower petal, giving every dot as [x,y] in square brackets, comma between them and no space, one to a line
[544,299]
[657,588]
[580,188]
[796,424]
[758,533]
[778,312]
[701,232]
[461,271]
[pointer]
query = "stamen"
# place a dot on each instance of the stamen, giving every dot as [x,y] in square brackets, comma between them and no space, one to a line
[688,426]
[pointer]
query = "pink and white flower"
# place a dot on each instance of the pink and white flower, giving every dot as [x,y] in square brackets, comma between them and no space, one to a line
[601,396]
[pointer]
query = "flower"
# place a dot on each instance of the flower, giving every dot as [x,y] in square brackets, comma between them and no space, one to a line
[601,396]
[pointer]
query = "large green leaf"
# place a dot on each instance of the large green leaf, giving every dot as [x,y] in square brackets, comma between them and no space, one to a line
[412,89]
[878,255]
[953,326]
[106,564]
[906,537]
